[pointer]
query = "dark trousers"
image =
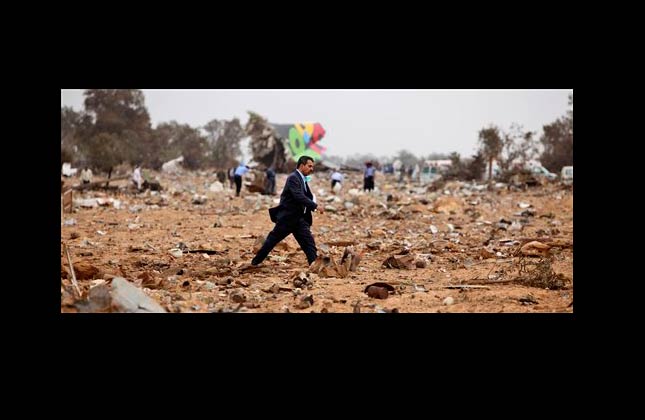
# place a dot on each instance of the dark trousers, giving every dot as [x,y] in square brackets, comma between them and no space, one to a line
[333,182]
[300,230]
[238,185]
[368,183]
[270,187]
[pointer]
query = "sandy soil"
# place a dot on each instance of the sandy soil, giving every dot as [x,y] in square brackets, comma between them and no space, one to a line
[455,232]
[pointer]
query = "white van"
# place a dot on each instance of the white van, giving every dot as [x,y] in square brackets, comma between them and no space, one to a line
[567,174]
[542,171]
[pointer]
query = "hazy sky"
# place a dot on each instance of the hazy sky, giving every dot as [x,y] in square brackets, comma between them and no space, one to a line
[380,122]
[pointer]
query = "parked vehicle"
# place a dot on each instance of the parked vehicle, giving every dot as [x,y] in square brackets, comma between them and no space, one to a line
[541,171]
[567,175]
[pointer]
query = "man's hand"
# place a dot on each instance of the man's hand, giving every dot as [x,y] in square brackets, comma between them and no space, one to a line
[321,209]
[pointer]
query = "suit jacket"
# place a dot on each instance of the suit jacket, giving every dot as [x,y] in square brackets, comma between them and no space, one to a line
[295,202]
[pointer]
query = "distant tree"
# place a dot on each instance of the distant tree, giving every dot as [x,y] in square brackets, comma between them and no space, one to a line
[116,110]
[491,145]
[476,167]
[407,158]
[214,129]
[518,147]
[153,150]
[138,147]
[224,139]
[74,129]
[68,123]
[455,160]
[466,169]
[69,120]
[66,153]
[557,141]
[194,149]
[104,151]
[183,140]
[121,130]
[164,136]
[456,170]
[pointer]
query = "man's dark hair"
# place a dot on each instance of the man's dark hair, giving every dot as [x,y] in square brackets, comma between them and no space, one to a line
[303,160]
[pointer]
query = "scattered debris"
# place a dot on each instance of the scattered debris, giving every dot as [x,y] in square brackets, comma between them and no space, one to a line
[305,302]
[341,243]
[540,274]
[406,262]
[535,249]
[176,252]
[350,258]
[379,290]
[301,280]
[325,266]
[465,286]
[460,236]
[71,269]
[528,299]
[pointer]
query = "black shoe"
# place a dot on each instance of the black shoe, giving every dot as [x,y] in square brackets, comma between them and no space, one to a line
[250,266]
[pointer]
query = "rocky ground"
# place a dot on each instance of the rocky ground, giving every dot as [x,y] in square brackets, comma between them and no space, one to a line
[458,248]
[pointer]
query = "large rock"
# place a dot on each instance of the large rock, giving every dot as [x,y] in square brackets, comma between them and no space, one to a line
[128,298]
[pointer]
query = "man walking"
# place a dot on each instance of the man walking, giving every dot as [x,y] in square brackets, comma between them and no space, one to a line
[293,214]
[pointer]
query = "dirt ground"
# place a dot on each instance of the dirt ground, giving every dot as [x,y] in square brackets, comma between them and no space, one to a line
[463,248]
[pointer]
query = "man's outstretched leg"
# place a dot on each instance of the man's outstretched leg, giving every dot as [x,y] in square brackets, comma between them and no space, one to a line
[278,233]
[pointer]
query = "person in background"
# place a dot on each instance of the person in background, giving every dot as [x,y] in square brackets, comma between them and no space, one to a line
[86,175]
[231,177]
[221,177]
[137,179]
[336,178]
[270,181]
[368,179]
[401,173]
[239,173]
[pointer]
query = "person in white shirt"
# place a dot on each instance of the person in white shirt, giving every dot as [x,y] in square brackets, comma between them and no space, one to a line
[336,178]
[137,179]
[86,175]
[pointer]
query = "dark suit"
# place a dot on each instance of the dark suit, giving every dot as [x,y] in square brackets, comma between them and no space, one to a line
[291,216]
